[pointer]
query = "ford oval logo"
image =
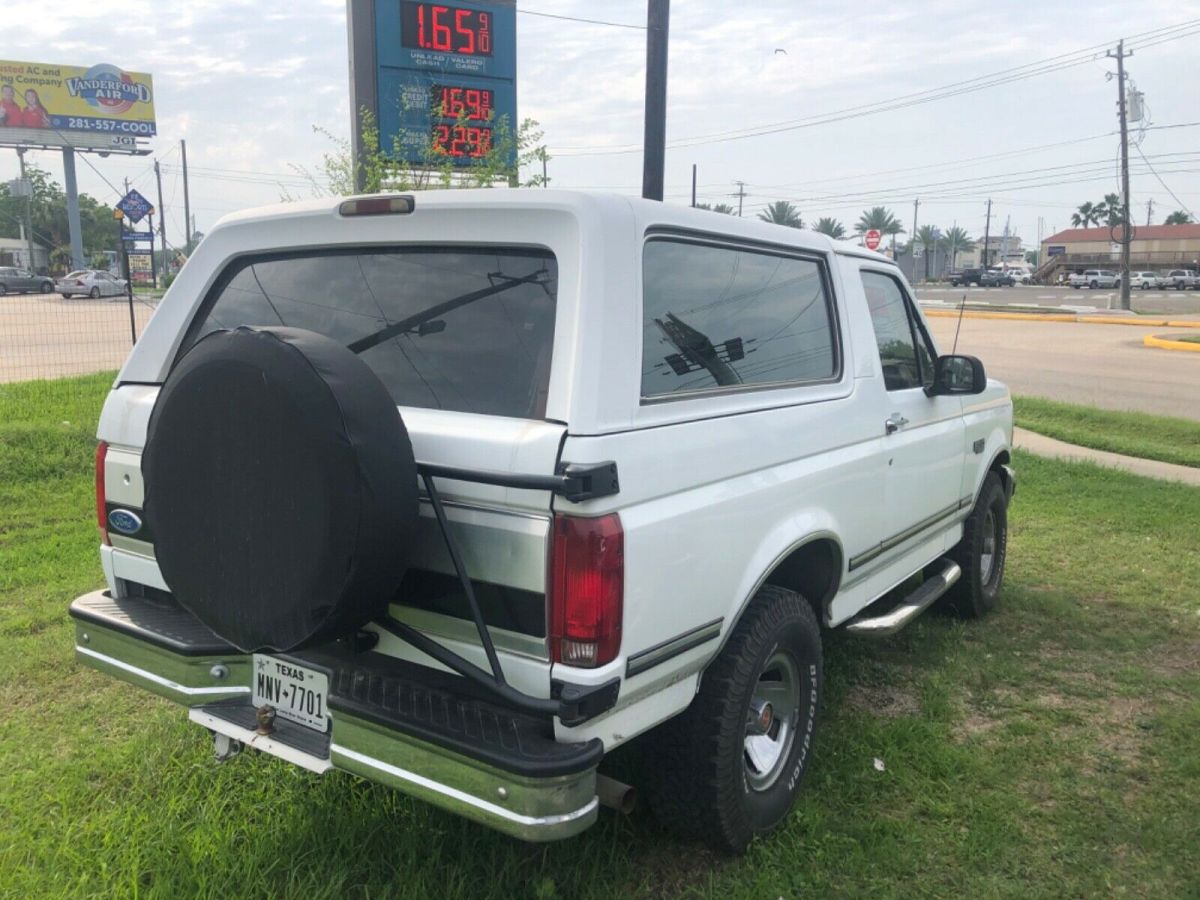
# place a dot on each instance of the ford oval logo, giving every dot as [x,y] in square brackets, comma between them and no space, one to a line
[124,521]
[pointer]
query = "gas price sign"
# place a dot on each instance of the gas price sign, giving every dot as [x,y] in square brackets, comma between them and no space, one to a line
[446,73]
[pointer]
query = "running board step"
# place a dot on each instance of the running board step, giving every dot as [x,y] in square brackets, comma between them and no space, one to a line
[911,606]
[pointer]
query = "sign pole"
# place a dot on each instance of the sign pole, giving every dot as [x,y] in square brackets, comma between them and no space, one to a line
[120,217]
[658,17]
[73,225]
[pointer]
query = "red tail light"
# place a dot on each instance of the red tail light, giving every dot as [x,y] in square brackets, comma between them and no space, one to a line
[587,590]
[101,514]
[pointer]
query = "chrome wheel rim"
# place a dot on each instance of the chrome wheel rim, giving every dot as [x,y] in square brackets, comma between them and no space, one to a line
[771,721]
[987,558]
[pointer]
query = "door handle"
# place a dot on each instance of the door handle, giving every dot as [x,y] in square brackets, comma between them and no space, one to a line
[894,423]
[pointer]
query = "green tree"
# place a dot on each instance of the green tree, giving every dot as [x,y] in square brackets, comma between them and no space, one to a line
[782,212]
[830,226]
[724,208]
[399,168]
[881,219]
[1179,217]
[1086,215]
[49,214]
[928,237]
[956,241]
[1110,210]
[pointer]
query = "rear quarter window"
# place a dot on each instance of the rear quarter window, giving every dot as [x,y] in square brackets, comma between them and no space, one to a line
[470,329]
[719,317]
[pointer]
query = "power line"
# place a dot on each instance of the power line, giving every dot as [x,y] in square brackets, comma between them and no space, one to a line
[993,79]
[1182,205]
[546,15]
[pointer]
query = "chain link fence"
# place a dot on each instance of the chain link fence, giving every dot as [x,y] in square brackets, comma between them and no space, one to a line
[46,337]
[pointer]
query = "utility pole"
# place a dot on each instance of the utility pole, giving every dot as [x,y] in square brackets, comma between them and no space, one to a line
[187,203]
[1126,233]
[693,185]
[545,174]
[1149,210]
[162,221]
[987,232]
[913,254]
[654,152]
[741,195]
[28,210]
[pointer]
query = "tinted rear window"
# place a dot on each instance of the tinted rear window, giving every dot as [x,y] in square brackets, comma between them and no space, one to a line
[487,351]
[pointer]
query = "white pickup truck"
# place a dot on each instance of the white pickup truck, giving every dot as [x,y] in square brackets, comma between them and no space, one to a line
[1095,278]
[462,490]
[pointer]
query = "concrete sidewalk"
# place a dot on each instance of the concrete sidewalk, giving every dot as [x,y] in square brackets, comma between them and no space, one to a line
[1150,468]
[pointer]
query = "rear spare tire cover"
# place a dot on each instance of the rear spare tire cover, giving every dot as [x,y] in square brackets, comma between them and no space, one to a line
[280,487]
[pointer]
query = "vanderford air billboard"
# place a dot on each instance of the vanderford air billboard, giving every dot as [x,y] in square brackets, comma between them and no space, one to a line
[58,103]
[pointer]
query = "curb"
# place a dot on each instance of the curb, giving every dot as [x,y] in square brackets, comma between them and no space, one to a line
[1076,318]
[1164,343]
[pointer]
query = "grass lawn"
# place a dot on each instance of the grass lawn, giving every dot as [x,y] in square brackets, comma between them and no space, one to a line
[1187,338]
[1132,433]
[1051,750]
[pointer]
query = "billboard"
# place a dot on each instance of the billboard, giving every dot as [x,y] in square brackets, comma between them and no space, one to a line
[62,106]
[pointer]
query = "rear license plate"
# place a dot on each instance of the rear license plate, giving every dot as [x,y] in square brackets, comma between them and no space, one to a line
[298,694]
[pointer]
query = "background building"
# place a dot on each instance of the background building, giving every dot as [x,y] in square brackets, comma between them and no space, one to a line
[15,252]
[1154,247]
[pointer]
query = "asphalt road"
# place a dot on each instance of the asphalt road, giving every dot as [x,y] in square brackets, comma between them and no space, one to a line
[1096,365]
[1099,365]
[1153,302]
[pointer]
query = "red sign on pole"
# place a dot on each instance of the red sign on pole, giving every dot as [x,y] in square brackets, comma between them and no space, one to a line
[873,237]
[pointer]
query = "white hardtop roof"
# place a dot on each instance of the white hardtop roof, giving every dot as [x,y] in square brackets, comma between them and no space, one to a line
[651,213]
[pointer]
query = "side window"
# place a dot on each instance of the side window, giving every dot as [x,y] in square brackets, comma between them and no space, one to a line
[716,317]
[904,350]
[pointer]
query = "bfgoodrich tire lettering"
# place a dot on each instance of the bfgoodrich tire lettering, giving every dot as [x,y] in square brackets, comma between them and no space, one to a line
[703,782]
[981,553]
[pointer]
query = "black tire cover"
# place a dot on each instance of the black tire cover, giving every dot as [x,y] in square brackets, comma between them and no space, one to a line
[280,487]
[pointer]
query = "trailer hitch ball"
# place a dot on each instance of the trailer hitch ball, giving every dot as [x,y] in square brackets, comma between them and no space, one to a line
[225,747]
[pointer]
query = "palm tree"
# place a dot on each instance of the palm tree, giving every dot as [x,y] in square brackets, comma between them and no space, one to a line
[927,236]
[956,241]
[782,212]
[1113,210]
[1179,217]
[830,226]
[879,218]
[724,208]
[1085,215]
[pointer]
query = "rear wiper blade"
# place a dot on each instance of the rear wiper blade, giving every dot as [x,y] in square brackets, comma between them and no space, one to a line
[397,328]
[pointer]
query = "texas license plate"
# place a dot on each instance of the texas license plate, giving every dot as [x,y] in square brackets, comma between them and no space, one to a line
[297,693]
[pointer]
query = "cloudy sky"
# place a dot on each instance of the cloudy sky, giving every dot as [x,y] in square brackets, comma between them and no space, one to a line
[783,96]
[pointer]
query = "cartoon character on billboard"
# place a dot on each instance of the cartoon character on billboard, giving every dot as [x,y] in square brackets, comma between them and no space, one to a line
[34,115]
[10,113]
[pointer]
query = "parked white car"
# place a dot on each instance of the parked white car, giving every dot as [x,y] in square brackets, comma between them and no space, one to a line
[90,283]
[460,491]
[1020,275]
[1146,281]
[1095,278]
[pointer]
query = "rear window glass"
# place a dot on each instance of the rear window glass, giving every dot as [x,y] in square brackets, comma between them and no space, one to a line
[718,317]
[467,329]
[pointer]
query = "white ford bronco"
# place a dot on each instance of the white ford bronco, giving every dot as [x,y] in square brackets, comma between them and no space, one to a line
[460,491]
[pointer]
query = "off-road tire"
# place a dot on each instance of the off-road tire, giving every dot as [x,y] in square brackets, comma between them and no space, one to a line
[975,593]
[698,781]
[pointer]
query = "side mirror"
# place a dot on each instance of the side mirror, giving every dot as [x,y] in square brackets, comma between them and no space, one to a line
[957,375]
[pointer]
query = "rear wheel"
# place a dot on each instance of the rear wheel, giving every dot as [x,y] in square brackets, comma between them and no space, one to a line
[47,287]
[730,766]
[94,293]
[981,553]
